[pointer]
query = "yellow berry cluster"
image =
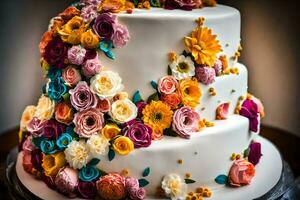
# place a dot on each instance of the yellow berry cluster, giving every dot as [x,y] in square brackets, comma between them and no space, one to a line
[212,91]
[125,172]
[172,56]
[234,70]
[204,123]
[200,21]
[199,194]
[235,156]
[145,5]
[238,105]
[238,53]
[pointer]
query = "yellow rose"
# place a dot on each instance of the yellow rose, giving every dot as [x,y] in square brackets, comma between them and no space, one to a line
[190,92]
[71,32]
[123,145]
[90,40]
[45,108]
[110,131]
[27,116]
[52,163]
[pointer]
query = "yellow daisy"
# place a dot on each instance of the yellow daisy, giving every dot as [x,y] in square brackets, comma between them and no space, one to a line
[158,116]
[203,45]
[190,92]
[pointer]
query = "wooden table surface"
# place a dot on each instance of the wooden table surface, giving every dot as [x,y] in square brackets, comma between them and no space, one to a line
[288,144]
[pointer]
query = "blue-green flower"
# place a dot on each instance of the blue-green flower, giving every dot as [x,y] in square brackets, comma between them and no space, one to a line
[54,73]
[106,46]
[64,140]
[89,173]
[48,146]
[57,89]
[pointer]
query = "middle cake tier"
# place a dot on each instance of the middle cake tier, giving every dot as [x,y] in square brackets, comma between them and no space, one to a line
[204,156]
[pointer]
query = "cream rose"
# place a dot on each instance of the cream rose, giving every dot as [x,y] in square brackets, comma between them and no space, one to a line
[45,108]
[174,187]
[123,110]
[27,116]
[106,84]
[98,145]
[77,154]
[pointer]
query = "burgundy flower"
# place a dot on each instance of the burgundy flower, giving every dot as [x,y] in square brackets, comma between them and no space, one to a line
[49,181]
[103,26]
[255,153]
[140,105]
[87,190]
[36,158]
[139,133]
[56,53]
[53,129]
[250,110]
[180,4]
[90,54]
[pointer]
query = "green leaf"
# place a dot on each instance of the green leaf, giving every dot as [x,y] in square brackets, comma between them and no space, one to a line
[221,179]
[154,85]
[169,71]
[155,3]
[94,162]
[189,181]
[102,173]
[143,182]
[246,152]
[170,132]
[66,97]
[136,97]
[146,172]
[153,97]
[135,2]
[111,154]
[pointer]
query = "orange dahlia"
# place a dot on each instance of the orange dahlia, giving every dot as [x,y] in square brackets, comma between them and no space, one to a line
[190,92]
[203,45]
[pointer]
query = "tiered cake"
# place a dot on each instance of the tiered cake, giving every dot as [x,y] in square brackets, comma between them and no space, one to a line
[143,103]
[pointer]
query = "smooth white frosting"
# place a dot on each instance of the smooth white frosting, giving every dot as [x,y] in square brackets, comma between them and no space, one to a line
[156,32]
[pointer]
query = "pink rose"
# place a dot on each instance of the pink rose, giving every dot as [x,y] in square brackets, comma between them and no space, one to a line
[120,36]
[205,75]
[36,126]
[241,173]
[71,76]
[103,105]
[111,187]
[89,13]
[91,67]
[138,194]
[76,55]
[66,181]
[185,121]
[27,164]
[82,97]
[260,106]
[167,85]
[222,111]
[28,146]
[88,122]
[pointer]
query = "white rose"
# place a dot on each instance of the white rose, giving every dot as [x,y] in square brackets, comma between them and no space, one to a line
[174,187]
[106,84]
[45,108]
[77,154]
[123,110]
[98,145]
[183,67]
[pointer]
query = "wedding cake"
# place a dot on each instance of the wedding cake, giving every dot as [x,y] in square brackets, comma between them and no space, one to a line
[144,100]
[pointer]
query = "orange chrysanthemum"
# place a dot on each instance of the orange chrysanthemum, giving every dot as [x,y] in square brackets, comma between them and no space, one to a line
[158,116]
[203,45]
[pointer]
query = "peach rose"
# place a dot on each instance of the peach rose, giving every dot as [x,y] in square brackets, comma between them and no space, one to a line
[71,76]
[111,187]
[167,85]
[103,105]
[64,113]
[241,173]
[27,116]
[172,100]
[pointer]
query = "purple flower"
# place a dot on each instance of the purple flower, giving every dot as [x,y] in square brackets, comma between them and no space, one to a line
[49,180]
[103,25]
[250,110]
[218,67]
[185,121]
[87,190]
[138,194]
[131,183]
[180,4]
[76,55]
[255,153]
[120,36]
[36,158]
[91,67]
[82,97]
[90,54]
[89,13]
[66,181]
[91,2]
[53,129]
[35,127]
[205,75]
[139,133]
[56,53]
[140,105]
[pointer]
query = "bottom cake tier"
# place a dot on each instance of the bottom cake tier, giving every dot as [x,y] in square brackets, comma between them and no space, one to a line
[204,157]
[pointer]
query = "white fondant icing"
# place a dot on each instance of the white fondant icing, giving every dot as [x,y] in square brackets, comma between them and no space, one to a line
[156,32]
[265,179]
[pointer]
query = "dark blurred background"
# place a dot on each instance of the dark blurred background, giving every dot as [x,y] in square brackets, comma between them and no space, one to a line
[270,38]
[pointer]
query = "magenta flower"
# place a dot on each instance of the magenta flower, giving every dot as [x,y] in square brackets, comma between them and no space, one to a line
[53,129]
[255,153]
[205,75]
[36,158]
[56,53]
[180,4]
[250,110]
[91,67]
[66,181]
[82,97]
[139,133]
[87,190]
[120,36]
[140,105]
[185,121]
[103,25]
[76,55]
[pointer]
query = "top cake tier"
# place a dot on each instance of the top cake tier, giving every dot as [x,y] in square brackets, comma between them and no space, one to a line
[156,32]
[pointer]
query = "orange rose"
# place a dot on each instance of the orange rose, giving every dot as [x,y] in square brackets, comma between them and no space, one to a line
[64,113]
[46,38]
[172,100]
[55,24]
[69,13]
[90,40]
